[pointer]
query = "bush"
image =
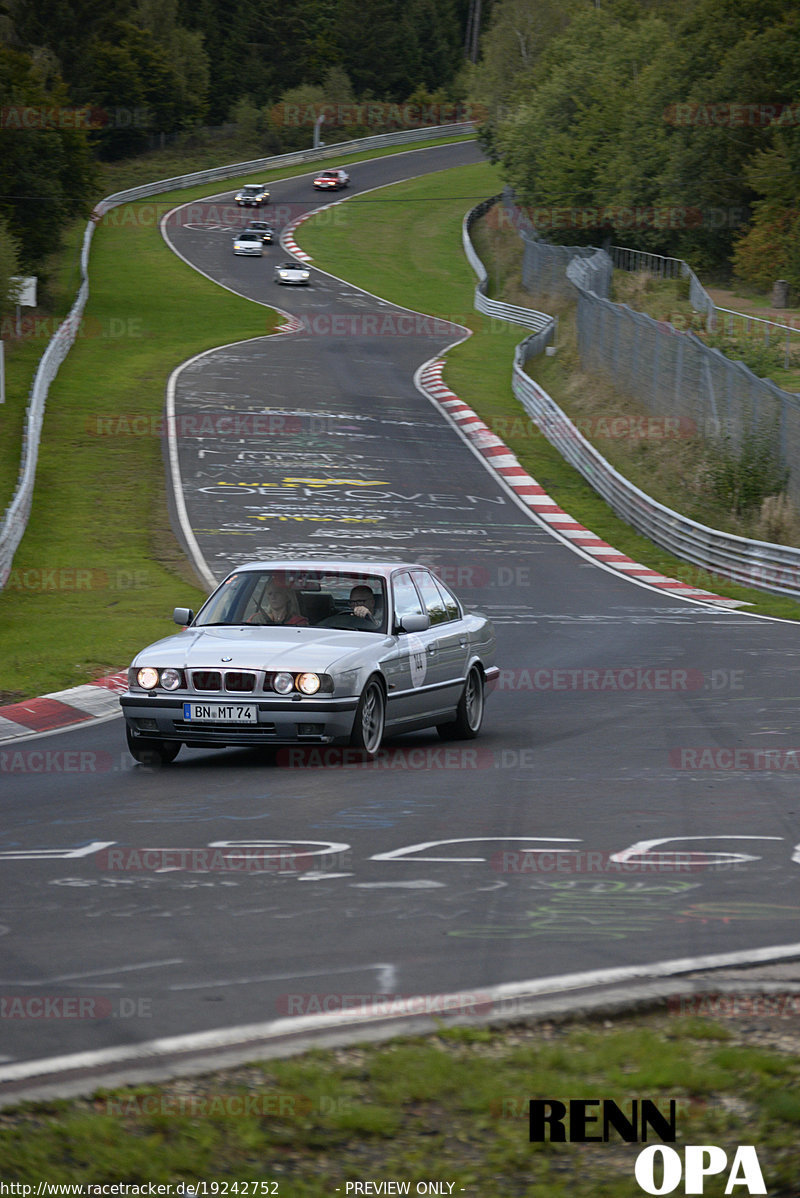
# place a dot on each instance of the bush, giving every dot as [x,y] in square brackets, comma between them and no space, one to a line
[743,476]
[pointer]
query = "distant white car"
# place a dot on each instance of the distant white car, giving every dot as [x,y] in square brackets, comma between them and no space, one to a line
[248,243]
[252,195]
[331,180]
[292,272]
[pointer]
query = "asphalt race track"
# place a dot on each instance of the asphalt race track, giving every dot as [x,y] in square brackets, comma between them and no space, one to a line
[275,891]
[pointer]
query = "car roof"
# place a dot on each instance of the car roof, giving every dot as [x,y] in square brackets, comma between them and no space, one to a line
[298,565]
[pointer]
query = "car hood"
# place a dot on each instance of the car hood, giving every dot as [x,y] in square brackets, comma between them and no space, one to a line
[259,648]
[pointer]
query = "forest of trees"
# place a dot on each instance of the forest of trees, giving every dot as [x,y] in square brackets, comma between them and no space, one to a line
[673,127]
[670,125]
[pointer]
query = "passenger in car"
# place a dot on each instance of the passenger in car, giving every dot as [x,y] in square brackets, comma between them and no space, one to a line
[282,607]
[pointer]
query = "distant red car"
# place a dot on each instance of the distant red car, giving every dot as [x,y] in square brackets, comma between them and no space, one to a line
[331,180]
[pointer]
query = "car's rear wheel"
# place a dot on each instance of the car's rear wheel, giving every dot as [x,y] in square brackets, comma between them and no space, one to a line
[370,719]
[469,713]
[152,752]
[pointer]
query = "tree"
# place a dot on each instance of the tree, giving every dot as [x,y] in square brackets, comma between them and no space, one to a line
[46,169]
[379,46]
[9,264]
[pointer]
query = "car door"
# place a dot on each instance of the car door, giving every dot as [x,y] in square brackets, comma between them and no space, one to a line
[446,645]
[406,669]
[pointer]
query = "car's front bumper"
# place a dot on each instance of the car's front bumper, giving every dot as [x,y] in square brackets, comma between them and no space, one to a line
[294,721]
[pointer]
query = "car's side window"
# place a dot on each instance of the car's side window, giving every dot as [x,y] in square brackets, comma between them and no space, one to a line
[406,599]
[449,599]
[431,596]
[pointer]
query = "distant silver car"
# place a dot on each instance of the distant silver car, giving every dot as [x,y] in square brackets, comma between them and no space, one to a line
[248,242]
[312,653]
[292,272]
[252,195]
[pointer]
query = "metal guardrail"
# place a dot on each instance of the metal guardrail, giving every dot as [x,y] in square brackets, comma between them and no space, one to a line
[15,520]
[759,564]
[540,322]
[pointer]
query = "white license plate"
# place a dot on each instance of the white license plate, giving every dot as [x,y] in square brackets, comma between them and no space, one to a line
[225,713]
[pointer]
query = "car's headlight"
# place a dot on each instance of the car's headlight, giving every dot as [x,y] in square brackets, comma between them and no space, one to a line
[309,684]
[147,678]
[171,679]
[304,274]
[283,683]
[284,274]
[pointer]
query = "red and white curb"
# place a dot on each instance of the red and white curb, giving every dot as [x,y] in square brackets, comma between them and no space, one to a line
[287,237]
[63,709]
[293,324]
[534,496]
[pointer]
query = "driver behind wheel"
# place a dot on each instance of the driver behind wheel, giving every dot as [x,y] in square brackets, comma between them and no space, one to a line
[362,604]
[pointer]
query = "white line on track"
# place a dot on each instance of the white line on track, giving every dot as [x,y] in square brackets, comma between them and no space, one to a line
[275,1030]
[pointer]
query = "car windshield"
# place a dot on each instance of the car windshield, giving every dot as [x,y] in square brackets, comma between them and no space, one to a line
[340,599]
[251,190]
[248,237]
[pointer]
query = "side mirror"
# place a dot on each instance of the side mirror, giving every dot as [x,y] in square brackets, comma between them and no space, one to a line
[182,615]
[414,623]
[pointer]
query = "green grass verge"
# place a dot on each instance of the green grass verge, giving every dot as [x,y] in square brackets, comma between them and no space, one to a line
[451,1107]
[421,265]
[99,571]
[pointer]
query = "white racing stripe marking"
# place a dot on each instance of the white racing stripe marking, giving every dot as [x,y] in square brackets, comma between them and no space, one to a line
[383,971]
[94,973]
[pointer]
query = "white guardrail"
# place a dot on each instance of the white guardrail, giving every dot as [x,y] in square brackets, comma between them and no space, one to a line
[759,564]
[16,516]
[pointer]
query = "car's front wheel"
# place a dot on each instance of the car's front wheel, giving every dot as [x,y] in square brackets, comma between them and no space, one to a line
[370,719]
[469,713]
[152,752]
